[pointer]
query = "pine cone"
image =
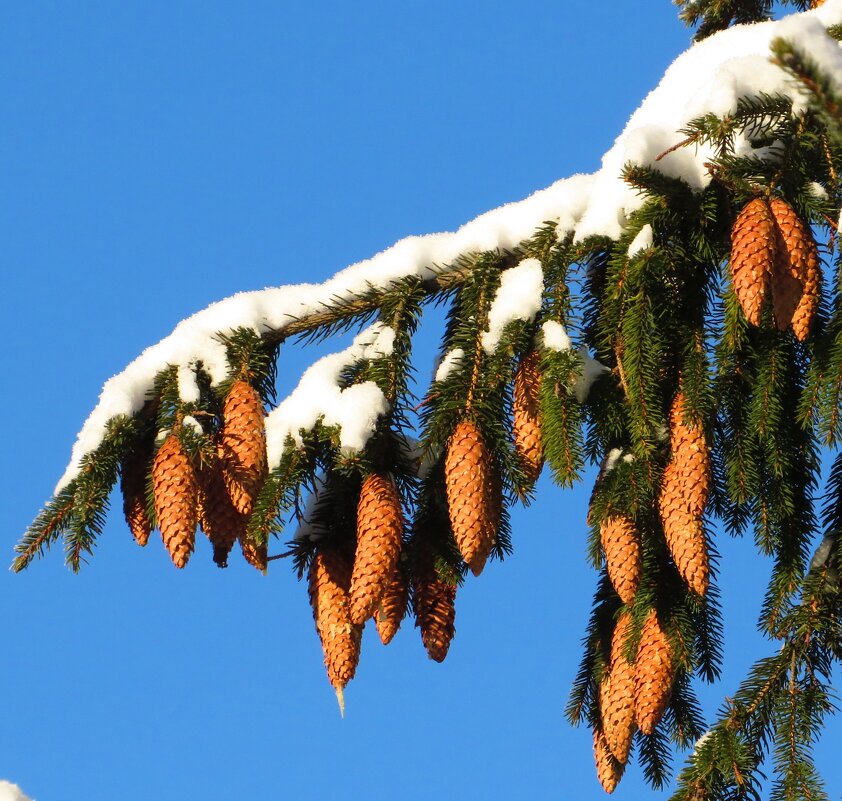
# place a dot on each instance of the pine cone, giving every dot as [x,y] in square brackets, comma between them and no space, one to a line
[133,474]
[526,416]
[433,601]
[242,445]
[798,260]
[653,675]
[608,770]
[329,579]
[617,701]
[174,493]
[379,534]
[469,482]
[218,518]
[685,486]
[753,245]
[621,544]
[256,555]
[392,607]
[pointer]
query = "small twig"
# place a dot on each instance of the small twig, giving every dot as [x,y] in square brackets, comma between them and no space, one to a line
[280,556]
[683,143]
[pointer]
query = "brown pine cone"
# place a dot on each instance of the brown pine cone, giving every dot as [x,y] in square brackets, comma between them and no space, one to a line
[469,481]
[256,555]
[174,493]
[133,473]
[218,518]
[433,601]
[379,535]
[621,544]
[329,579]
[617,702]
[392,607]
[608,770]
[242,445]
[685,487]
[753,245]
[798,258]
[526,418]
[654,674]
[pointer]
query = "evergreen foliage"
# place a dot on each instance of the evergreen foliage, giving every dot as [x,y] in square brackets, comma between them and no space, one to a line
[663,321]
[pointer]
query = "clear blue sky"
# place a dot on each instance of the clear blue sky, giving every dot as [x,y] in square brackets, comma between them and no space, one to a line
[159,156]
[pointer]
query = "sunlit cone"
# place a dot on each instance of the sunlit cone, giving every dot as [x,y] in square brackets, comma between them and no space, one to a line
[469,482]
[218,518]
[133,474]
[608,770]
[434,602]
[254,553]
[242,445]
[799,259]
[621,544]
[753,245]
[329,580]
[653,675]
[391,608]
[379,534]
[685,486]
[526,416]
[617,701]
[174,492]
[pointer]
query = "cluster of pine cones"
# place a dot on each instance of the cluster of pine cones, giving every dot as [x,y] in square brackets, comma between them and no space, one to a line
[635,693]
[346,588]
[774,257]
[218,497]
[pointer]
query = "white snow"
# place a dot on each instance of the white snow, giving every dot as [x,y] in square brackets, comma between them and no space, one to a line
[591,370]
[318,396]
[517,298]
[817,190]
[188,387]
[711,77]
[11,792]
[641,242]
[611,460]
[453,360]
[192,423]
[555,337]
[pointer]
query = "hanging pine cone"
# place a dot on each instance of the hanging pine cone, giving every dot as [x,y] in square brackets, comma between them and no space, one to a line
[798,259]
[469,482]
[329,580]
[653,675]
[526,416]
[685,486]
[621,544]
[218,518]
[379,534]
[242,445]
[617,700]
[753,241]
[174,493]
[392,606]
[133,474]
[433,601]
[608,770]
[255,554]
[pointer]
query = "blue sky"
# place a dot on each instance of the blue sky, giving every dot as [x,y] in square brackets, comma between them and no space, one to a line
[159,156]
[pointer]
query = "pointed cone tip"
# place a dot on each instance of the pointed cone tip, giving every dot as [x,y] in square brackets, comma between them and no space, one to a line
[340,697]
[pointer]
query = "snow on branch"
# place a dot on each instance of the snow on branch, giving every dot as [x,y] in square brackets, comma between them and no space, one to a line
[710,78]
